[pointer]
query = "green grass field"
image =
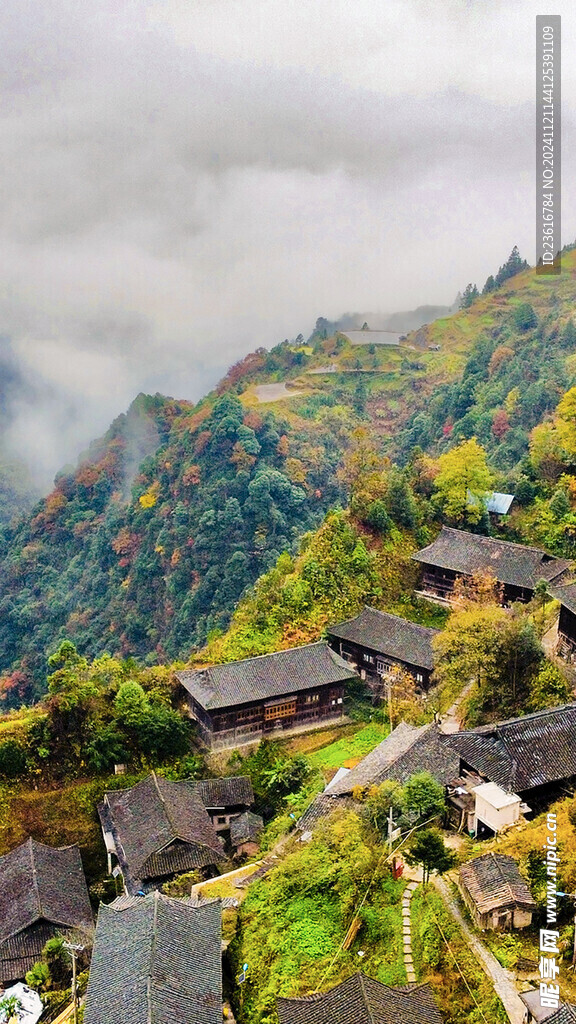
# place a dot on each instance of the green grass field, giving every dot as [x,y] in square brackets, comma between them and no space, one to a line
[347,747]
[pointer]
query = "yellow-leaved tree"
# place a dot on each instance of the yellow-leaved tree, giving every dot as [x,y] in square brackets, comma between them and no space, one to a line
[566,422]
[463,483]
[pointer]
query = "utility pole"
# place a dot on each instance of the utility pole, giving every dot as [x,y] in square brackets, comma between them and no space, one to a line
[74,950]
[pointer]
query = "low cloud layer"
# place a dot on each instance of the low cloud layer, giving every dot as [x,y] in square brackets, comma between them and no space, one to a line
[185,181]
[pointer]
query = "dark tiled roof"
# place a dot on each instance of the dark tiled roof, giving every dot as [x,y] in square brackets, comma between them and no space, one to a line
[228,792]
[39,884]
[389,635]
[515,564]
[566,594]
[270,675]
[156,961]
[246,827]
[322,805]
[407,750]
[160,828]
[563,1015]
[20,952]
[522,753]
[362,1000]
[494,881]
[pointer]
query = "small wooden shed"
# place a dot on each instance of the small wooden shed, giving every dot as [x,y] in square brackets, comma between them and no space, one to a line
[495,892]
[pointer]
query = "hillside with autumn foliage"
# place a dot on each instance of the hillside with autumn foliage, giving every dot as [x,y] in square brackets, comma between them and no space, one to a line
[167,522]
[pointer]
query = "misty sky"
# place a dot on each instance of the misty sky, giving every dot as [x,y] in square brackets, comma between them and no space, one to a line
[185,180]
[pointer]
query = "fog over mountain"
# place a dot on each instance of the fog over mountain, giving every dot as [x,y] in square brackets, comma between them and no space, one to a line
[183,182]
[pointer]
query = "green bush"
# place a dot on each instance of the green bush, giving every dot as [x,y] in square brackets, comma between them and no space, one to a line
[13,761]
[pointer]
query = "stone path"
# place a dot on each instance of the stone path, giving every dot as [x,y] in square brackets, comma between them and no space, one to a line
[550,640]
[502,979]
[450,719]
[406,931]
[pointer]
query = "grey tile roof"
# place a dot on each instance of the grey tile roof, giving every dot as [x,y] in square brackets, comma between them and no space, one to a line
[522,753]
[515,564]
[20,952]
[362,1000]
[156,961]
[566,594]
[322,805]
[245,827]
[39,884]
[160,828]
[494,881]
[390,635]
[565,1014]
[407,750]
[227,792]
[270,675]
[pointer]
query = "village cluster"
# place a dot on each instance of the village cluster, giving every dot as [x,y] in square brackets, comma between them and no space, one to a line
[157,958]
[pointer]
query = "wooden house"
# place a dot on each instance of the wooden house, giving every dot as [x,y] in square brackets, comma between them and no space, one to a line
[566,645]
[158,829]
[495,893]
[362,1000]
[156,959]
[530,756]
[245,834]
[457,553]
[43,893]
[378,644]
[225,799]
[274,694]
[408,749]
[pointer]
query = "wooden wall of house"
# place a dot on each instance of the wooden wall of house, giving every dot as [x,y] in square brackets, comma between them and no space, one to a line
[366,659]
[233,726]
[440,581]
[567,627]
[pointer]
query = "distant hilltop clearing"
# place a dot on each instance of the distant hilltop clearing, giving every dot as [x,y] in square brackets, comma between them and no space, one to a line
[368,337]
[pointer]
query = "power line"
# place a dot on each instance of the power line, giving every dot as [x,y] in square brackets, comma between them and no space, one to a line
[385,856]
[453,955]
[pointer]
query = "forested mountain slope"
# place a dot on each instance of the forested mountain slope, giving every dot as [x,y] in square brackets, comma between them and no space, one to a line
[145,549]
[516,352]
[143,556]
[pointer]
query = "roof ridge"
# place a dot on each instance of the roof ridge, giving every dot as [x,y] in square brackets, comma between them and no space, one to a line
[365,997]
[155,897]
[495,727]
[392,615]
[35,885]
[501,873]
[169,819]
[497,540]
[271,654]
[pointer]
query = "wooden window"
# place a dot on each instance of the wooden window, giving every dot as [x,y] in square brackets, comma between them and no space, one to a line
[311,698]
[247,713]
[369,658]
[284,710]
